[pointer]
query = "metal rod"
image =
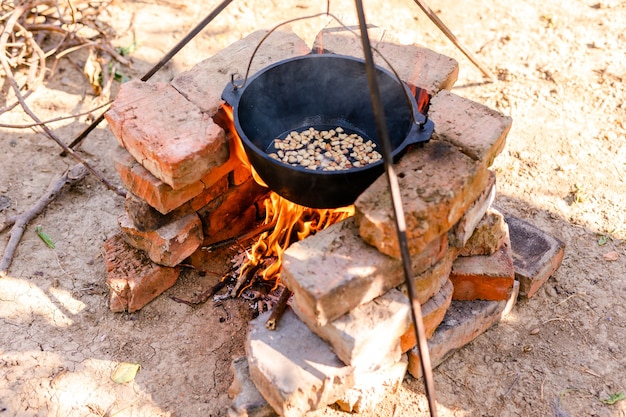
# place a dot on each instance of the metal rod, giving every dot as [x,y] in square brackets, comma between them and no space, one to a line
[180,45]
[383,134]
[435,19]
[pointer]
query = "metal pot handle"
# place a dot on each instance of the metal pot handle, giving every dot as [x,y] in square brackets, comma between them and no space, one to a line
[239,84]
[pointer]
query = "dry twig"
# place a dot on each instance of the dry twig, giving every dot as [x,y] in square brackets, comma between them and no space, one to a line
[71,176]
[279,309]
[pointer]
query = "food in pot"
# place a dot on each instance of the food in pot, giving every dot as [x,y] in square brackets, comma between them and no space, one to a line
[325,150]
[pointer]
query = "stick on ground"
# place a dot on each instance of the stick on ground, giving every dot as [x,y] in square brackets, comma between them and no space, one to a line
[69,177]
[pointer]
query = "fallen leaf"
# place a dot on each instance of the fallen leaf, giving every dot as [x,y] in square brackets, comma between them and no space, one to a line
[611,256]
[125,372]
[613,398]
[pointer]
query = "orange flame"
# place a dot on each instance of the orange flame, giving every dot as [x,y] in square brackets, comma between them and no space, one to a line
[291,222]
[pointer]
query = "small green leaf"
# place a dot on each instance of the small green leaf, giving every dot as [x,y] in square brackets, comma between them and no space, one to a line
[603,240]
[45,237]
[125,372]
[613,398]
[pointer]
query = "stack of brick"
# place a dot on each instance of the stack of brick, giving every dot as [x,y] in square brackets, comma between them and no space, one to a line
[348,337]
[186,186]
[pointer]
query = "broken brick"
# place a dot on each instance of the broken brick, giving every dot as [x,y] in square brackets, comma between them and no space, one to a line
[132,278]
[489,235]
[168,245]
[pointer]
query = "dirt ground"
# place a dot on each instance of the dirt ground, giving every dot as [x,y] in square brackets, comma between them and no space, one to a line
[560,76]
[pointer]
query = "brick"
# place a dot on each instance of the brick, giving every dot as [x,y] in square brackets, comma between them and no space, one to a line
[414,64]
[438,183]
[220,218]
[484,277]
[464,321]
[294,369]
[536,254]
[158,194]
[334,271]
[433,312]
[247,400]
[240,175]
[132,278]
[489,235]
[203,84]
[166,134]
[464,228]
[168,245]
[369,335]
[475,128]
[370,388]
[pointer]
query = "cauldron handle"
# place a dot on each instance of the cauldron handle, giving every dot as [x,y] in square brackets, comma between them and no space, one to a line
[240,84]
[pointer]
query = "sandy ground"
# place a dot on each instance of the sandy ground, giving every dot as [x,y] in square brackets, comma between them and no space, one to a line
[560,76]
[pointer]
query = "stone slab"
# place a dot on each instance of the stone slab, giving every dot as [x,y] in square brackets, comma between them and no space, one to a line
[168,245]
[438,183]
[370,334]
[204,83]
[166,134]
[335,271]
[480,132]
[433,312]
[536,254]
[293,369]
[489,235]
[132,278]
[484,277]
[415,65]
[247,401]
[462,231]
[464,321]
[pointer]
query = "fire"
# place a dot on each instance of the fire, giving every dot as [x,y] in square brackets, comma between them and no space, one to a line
[289,223]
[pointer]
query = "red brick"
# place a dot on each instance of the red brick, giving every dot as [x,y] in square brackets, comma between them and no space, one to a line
[155,192]
[433,312]
[464,228]
[240,175]
[475,128]
[536,254]
[414,64]
[168,245]
[166,134]
[438,183]
[464,321]
[489,235]
[484,277]
[222,212]
[334,271]
[368,336]
[132,278]
[204,83]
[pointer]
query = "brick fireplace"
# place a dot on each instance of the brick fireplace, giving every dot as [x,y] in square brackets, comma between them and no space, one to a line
[347,336]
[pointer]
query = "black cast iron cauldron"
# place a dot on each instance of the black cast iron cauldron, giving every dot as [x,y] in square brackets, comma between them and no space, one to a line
[323,91]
